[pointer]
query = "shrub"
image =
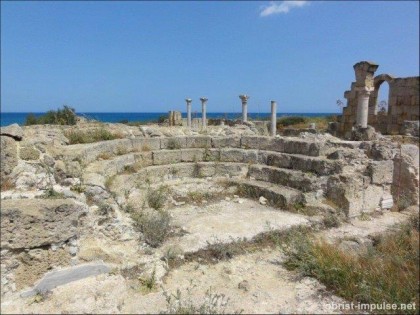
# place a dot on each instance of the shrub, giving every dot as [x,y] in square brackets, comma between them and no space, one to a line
[292,120]
[161,119]
[64,116]
[155,226]
[331,220]
[156,198]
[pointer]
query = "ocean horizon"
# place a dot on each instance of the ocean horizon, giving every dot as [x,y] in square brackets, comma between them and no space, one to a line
[8,118]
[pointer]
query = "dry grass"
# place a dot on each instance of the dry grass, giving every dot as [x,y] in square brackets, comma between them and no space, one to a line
[6,184]
[387,272]
[95,135]
[303,122]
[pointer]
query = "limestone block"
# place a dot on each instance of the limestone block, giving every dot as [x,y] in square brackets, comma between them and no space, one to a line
[212,155]
[192,155]
[166,157]
[231,169]
[173,143]
[353,194]
[144,158]
[14,131]
[250,156]
[381,172]
[229,142]
[232,155]
[31,223]
[203,169]
[145,144]
[256,142]
[198,142]
[302,147]
[405,186]
[279,160]
[8,155]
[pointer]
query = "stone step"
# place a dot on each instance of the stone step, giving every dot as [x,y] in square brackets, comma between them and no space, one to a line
[304,182]
[282,197]
[112,165]
[90,152]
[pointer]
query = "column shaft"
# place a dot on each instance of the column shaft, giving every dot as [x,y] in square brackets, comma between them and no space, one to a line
[362,109]
[273,118]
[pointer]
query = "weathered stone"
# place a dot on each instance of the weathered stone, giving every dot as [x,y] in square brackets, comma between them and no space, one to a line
[229,142]
[166,157]
[199,142]
[405,186]
[381,172]
[410,128]
[353,194]
[59,277]
[380,152]
[173,143]
[14,131]
[145,144]
[31,223]
[8,155]
[48,160]
[364,134]
[192,155]
[29,153]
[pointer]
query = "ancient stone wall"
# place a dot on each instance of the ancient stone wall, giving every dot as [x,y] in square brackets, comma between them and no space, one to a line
[403,104]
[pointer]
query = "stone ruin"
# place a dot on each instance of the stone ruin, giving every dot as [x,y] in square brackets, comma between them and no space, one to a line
[251,177]
[402,115]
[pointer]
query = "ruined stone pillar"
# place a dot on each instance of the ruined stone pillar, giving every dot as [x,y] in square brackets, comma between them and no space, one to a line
[273,118]
[363,108]
[188,100]
[244,99]
[203,115]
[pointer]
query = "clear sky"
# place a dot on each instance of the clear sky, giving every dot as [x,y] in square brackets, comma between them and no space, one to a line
[150,56]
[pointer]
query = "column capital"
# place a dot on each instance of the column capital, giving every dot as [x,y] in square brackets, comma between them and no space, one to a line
[188,100]
[244,98]
[364,90]
[273,102]
[203,99]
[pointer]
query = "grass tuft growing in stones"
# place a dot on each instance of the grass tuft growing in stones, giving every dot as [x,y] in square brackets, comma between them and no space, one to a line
[155,225]
[156,198]
[6,184]
[173,144]
[90,136]
[213,303]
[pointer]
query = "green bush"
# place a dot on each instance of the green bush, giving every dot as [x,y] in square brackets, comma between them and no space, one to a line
[64,116]
[292,120]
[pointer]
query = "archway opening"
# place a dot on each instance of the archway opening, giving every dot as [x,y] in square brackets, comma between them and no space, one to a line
[382,99]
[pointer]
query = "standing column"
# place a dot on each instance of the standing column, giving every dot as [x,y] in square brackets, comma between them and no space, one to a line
[203,115]
[362,108]
[188,100]
[273,118]
[244,99]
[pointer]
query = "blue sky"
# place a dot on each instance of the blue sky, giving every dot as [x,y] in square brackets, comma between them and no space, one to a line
[150,56]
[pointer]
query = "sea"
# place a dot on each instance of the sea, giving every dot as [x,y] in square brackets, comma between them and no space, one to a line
[19,118]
